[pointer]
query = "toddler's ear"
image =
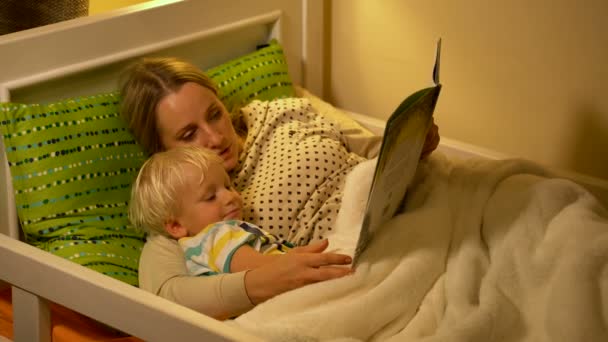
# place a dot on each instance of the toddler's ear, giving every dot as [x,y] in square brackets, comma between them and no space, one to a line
[175,229]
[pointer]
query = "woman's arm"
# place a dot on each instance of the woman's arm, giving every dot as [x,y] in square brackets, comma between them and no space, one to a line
[220,296]
[162,271]
[358,139]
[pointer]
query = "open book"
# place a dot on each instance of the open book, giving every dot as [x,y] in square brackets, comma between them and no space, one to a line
[402,144]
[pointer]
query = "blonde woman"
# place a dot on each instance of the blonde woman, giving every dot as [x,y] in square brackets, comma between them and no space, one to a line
[288,162]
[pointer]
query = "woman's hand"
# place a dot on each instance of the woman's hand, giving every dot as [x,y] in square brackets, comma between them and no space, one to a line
[302,266]
[431,141]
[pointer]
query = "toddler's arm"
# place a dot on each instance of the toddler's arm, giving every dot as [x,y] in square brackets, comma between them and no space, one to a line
[225,247]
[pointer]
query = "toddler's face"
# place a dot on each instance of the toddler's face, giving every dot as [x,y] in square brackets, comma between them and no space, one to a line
[210,201]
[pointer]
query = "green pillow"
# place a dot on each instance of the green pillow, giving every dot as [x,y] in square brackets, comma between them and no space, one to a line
[261,75]
[72,165]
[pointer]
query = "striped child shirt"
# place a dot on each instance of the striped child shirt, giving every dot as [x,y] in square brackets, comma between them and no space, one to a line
[210,251]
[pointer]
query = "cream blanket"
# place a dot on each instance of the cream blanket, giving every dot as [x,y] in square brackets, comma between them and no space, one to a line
[485,251]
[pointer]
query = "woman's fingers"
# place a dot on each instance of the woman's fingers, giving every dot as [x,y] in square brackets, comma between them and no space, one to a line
[294,270]
[327,259]
[431,141]
[330,272]
[314,267]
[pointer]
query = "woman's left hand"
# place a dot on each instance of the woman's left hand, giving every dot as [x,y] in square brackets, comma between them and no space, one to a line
[301,266]
[431,141]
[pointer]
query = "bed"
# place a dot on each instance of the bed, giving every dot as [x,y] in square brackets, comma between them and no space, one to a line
[75,64]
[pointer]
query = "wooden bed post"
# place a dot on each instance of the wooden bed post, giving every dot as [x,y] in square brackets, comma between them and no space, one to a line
[315,46]
[9,223]
[31,317]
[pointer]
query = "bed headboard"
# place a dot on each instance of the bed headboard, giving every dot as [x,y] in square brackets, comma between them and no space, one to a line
[84,56]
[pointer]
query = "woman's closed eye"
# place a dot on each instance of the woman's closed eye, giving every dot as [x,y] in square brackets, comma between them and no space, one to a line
[188,134]
[215,115]
[215,112]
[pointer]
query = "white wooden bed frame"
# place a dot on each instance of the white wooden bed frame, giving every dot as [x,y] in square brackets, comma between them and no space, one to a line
[83,57]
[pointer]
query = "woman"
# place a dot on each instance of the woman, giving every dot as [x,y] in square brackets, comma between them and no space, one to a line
[288,163]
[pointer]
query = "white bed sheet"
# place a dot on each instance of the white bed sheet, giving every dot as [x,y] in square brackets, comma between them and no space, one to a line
[485,251]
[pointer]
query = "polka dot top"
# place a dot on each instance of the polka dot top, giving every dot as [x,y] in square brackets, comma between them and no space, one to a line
[292,171]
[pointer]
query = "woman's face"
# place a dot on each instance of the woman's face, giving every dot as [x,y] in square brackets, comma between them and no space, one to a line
[193,115]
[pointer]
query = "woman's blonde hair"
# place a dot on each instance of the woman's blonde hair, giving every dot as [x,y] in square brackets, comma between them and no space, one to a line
[156,191]
[144,84]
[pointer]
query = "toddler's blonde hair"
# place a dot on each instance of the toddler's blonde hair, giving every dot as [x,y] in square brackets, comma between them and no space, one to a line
[155,193]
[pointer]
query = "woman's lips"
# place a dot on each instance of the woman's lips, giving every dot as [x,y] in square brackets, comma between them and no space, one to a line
[225,153]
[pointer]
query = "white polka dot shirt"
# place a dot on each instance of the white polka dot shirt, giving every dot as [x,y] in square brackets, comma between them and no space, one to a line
[292,171]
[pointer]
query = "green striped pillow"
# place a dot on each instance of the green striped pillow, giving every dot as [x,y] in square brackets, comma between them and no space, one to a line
[72,165]
[73,162]
[261,75]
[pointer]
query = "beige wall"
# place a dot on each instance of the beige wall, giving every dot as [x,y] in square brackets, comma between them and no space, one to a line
[525,78]
[100,6]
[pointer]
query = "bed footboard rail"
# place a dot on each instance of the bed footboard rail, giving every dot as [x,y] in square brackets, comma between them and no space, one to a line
[38,277]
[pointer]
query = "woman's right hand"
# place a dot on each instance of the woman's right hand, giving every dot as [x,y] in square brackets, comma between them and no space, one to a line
[431,141]
[302,266]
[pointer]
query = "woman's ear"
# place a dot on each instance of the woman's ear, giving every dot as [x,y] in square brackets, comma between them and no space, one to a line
[175,229]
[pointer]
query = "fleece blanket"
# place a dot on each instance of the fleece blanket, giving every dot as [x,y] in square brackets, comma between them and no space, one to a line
[484,251]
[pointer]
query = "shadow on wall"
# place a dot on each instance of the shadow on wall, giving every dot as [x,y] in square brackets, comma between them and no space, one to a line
[590,142]
[17,15]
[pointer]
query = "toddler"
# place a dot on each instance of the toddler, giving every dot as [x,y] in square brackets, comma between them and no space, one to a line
[185,193]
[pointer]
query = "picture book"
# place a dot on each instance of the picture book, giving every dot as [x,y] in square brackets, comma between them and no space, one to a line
[400,152]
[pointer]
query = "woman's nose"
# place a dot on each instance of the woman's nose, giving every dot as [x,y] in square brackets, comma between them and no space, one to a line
[211,139]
